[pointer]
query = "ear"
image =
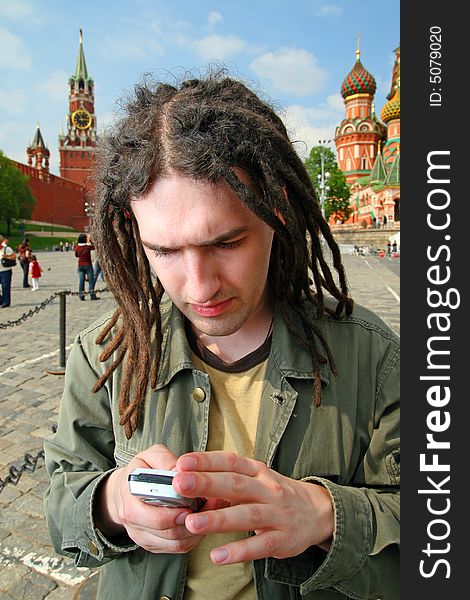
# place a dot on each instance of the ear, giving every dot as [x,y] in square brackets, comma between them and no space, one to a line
[280,216]
[277,212]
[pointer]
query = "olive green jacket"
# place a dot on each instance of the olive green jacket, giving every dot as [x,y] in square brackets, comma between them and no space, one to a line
[349,444]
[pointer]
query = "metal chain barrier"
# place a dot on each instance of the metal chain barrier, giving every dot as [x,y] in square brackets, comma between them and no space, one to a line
[43,305]
[17,468]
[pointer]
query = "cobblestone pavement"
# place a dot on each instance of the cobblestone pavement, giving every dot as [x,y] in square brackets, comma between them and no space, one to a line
[29,403]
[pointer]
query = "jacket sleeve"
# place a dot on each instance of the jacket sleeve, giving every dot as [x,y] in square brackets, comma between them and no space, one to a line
[78,456]
[363,559]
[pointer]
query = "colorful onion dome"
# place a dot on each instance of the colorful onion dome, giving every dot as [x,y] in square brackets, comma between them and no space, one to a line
[391,110]
[358,80]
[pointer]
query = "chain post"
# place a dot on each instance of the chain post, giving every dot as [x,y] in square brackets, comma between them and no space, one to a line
[62,321]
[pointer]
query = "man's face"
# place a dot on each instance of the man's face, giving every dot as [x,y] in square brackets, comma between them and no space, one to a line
[209,251]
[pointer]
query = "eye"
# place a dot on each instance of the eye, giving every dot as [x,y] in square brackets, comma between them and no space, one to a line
[162,253]
[229,245]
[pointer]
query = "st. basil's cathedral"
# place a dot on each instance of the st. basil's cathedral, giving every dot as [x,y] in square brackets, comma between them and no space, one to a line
[369,148]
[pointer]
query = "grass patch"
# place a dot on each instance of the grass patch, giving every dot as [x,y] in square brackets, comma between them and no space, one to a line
[38,242]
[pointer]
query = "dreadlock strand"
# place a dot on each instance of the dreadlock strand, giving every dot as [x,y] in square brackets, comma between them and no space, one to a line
[111,323]
[113,344]
[102,380]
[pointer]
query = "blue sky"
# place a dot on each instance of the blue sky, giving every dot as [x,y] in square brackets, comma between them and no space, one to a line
[296,53]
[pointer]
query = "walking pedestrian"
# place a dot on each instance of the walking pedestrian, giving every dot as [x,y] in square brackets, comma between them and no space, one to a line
[85,268]
[24,254]
[67,245]
[7,262]
[35,271]
[97,270]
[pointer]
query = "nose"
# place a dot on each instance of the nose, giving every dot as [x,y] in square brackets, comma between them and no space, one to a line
[202,277]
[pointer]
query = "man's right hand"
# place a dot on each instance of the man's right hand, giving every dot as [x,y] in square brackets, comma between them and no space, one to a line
[156,529]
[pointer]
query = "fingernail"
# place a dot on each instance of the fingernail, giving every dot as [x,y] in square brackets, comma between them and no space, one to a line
[181,518]
[199,521]
[188,463]
[219,555]
[186,482]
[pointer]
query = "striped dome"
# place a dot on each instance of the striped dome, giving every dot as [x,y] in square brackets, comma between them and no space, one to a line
[358,81]
[391,110]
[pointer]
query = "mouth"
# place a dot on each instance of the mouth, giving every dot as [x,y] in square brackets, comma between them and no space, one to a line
[211,310]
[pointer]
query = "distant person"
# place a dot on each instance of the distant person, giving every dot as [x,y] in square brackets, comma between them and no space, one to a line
[67,245]
[35,271]
[7,262]
[394,247]
[85,268]
[61,246]
[97,270]
[385,221]
[24,254]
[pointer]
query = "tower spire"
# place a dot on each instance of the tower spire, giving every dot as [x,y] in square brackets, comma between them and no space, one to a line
[80,68]
[358,50]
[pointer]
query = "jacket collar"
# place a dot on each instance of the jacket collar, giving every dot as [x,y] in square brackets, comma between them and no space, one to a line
[290,357]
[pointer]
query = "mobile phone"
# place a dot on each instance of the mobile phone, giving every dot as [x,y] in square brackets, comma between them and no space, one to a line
[153,486]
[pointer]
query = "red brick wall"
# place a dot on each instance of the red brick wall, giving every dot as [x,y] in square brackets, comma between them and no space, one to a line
[75,164]
[58,201]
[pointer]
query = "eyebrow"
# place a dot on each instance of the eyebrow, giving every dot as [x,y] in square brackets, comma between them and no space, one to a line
[224,237]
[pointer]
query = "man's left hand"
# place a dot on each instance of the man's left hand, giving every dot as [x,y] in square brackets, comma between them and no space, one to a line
[287,515]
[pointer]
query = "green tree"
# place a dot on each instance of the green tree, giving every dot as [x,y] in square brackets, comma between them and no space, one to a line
[337,196]
[16,199]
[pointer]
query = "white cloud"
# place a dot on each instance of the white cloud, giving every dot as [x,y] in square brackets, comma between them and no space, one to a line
[106,119]
[13,53]
[20,10]
[214,18]
[141,49]
[336,102]
[12,102]
[291,70]
[307,125]
[219,47]
[55,86]
[327,10]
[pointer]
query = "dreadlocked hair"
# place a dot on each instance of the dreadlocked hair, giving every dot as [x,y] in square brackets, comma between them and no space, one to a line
[203,128]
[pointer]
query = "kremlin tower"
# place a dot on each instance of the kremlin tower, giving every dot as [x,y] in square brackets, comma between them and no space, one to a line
[76,146]
[61,200]
[38,156]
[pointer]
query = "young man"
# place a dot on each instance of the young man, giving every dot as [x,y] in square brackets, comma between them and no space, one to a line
[235,358]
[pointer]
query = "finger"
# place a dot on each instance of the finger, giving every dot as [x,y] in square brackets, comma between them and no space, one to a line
[218,460]
[156,544]
[157,456]
[178,532]
[247,517]
[234,487]
[262,545]
[146,516]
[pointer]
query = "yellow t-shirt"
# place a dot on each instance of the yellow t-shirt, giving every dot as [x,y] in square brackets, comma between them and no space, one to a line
[233,418]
